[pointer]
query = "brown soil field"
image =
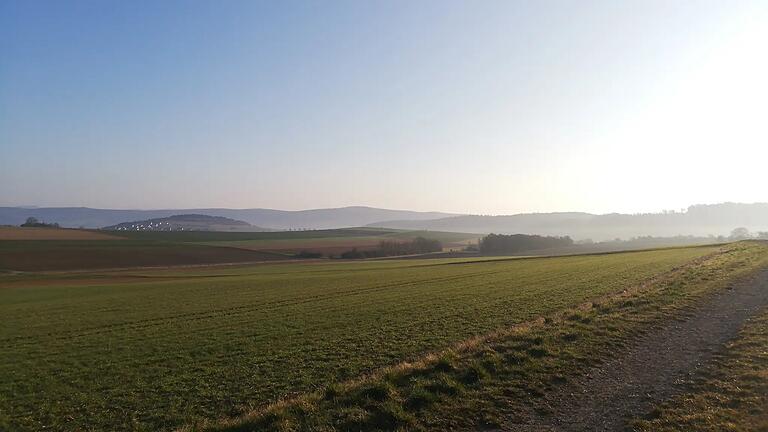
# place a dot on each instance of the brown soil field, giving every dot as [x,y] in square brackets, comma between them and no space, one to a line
[19,233]
[48,255]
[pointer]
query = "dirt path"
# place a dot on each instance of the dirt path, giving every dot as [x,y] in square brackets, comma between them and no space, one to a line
[657,367]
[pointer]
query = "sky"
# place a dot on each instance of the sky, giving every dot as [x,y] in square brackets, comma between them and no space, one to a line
[482,107]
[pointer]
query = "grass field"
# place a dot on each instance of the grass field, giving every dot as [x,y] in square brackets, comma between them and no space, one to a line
[213,236]
[328,242]
[148,350]
[325,245]
[513,378]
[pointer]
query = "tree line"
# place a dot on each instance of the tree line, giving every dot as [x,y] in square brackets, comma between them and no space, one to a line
[513,243]
[418,245]
[34,223]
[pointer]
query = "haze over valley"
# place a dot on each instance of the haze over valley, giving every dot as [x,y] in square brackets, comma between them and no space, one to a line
[698,220]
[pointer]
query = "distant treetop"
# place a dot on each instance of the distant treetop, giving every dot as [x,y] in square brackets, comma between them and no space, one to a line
[34,223]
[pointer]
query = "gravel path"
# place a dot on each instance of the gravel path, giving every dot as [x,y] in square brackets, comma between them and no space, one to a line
[657,367]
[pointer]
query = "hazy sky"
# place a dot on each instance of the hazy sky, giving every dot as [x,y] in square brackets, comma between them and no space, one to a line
[472,106]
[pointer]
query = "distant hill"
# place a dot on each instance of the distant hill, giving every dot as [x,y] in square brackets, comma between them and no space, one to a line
[74,217]
[698,220]
[186,222]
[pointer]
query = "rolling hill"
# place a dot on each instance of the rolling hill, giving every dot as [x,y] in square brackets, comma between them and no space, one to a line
[697,220]
[74,217]
[186,222]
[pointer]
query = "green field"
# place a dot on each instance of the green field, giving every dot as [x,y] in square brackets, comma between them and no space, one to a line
[329,242]
[212,236]
[148,350]
[336,245]
[518,375]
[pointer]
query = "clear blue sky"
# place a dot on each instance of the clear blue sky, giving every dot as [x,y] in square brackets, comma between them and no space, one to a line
[481,107]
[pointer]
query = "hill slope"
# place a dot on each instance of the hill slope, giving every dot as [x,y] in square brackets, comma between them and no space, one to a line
[698,220]
[186,222]
[73,217]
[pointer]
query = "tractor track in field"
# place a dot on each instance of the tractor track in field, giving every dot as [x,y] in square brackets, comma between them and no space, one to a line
[238,310]
[657,367]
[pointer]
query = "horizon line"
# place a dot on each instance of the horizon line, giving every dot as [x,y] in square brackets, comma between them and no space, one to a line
[447,213]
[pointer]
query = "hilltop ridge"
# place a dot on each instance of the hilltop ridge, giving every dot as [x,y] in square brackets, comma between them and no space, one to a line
[697,220]
[186,222]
